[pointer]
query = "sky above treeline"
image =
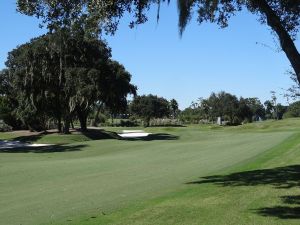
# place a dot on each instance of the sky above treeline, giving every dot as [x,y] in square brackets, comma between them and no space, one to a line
[243,59]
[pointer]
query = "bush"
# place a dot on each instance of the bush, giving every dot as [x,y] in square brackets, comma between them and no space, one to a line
[4,127]
[165,122]
[293,110]
[128,123]
[100,120]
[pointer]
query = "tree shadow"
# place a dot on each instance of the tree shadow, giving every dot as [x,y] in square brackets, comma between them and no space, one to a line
[153,137]
[100,134]
[29,138]
[43,149]
[281,177]
[93,134]
[293,200]
[290,210]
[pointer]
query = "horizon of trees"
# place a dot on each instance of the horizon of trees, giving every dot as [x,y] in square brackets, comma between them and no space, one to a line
[232,110]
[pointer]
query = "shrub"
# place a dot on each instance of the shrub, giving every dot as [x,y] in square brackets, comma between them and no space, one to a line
[4,127]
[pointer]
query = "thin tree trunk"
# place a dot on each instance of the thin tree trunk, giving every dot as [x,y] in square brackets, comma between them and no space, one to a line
[147,122]
[286,42]
[97,115]
[61,65]
[67,124]
[83,122]
[82,116]
[59,126]
[72,125]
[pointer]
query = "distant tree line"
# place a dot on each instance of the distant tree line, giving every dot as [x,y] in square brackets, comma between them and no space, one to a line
[231,109]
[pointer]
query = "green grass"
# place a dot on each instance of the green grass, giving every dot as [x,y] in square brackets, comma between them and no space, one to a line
[56,138]
[194,175]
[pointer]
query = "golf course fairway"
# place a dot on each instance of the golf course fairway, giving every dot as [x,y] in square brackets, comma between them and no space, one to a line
[185,175]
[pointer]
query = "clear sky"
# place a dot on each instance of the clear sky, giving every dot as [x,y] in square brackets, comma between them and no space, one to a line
[241,59]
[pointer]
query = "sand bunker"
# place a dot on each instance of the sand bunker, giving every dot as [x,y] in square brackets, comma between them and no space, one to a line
[19,144]
[133,134]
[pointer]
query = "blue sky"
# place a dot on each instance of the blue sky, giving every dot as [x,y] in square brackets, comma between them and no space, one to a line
[241,59]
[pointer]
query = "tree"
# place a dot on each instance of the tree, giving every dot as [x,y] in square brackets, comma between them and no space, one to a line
[274,102]
[224,105]
[174,107]
[149,106]
[280,111]
[282,16]
[256,107]
[61,18]
[116,88]
[245,112]
[269,105]
[294,91]
[90,76]
[293,110]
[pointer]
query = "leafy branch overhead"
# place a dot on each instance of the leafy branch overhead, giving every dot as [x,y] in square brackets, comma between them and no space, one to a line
[282,16]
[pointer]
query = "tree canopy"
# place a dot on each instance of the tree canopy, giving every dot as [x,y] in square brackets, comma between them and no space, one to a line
[282,16]
[150,106]
[89,76]
[225,105]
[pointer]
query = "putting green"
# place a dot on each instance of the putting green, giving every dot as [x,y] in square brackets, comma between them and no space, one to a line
[97,177]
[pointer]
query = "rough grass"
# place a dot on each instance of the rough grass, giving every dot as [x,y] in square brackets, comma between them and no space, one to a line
[188,175]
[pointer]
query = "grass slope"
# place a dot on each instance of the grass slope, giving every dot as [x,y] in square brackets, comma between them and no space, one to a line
[157,181]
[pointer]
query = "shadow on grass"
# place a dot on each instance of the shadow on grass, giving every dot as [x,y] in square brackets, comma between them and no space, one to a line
[290,209]
[44,149]
[154,137]
[91,134]
[29,138]
[280,178]
[99,134]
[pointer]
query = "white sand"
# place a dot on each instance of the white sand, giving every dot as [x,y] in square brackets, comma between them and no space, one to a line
[18,144]
[133,131]
[133,134]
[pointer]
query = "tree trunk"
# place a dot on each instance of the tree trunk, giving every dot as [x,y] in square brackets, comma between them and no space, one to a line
[61,53]
[59,127]
[112,120]
[82,116]
[67,124]
[72,125]
[286,42]
[96,121]
[83,123]
[147,122]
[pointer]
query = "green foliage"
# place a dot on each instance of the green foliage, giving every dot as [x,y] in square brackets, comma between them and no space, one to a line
[165,122]
[8,101]
[232,110]
[4,127]
[192,115]
[150,106]
[174,108]
[89,76]
[282,16]
[293,110]
[116,88]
